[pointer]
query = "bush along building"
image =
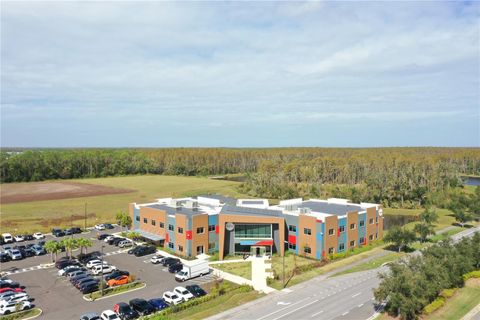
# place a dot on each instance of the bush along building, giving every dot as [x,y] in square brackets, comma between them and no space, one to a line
[207,224]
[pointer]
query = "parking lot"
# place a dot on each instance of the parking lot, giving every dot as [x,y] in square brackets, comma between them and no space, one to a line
[57,297]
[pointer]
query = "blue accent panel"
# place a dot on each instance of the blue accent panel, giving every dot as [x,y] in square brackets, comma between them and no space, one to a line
[292,220]
[343,235]
[136,213]
[171,234]
[247,242]
[362,231]
[319,237]
[212,236]
[297,245]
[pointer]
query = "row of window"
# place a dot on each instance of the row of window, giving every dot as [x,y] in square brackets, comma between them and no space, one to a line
[200,230]
[331,250]
[199,248]
[307,231]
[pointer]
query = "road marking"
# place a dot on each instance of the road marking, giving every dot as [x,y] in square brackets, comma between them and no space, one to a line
[306,305]
[281,303]
[316,314]
[268,315]
[356,295]
[345,313]
[360,305]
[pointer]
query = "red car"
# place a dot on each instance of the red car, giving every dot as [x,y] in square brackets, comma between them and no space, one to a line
[2,290]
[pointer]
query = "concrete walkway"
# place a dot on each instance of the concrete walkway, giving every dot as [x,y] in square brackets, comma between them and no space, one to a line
[473,314]
[259,273]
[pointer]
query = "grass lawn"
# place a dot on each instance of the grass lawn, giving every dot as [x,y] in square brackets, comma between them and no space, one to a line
[460,304]
[115,290]
[22,314]
[43,215]
[372,264]
[291,260]
[242,269]
[444,216]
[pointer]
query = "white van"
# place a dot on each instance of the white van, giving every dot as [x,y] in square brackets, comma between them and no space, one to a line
[7,238]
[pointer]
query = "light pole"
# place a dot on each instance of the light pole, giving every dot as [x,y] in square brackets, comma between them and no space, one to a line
[85,218]
[101,274]
[284,242]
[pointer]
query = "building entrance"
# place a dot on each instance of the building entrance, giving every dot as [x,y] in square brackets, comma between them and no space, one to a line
[258,250]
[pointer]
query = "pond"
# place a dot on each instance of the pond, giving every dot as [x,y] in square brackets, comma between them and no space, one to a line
[397,220]
[471,181]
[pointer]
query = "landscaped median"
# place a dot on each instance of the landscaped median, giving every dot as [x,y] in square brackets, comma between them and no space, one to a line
[23,315]
[112,291]
[223,295]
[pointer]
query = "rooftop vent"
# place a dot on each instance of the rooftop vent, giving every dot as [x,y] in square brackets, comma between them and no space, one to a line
[190,204]
[304,210]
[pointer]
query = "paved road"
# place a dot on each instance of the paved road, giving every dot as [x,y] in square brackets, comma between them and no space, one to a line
[344,297]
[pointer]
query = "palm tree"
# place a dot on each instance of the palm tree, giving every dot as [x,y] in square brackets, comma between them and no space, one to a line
[52,247]
[124,219]
[70,244]
[84,243]
[133,235]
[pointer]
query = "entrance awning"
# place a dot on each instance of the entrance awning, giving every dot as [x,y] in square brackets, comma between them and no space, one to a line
[149,235]
[256,242]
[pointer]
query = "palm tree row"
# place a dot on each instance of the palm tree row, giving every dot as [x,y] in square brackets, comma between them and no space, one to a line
[69,244]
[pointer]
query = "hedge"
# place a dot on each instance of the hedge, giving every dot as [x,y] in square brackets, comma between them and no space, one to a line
[435,305]
[473,274]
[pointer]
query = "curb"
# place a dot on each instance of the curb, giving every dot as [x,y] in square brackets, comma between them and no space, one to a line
[33,317]
[113,295]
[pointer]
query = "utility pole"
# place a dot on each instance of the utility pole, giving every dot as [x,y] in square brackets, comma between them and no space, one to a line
[101,277]
[85,219]
[283,260]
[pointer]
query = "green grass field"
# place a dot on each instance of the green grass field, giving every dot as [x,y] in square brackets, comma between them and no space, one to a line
[242,269]
[43,215]
[444,216]
[372,264]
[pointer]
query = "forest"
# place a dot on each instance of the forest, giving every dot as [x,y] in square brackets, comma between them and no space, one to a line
[396,177]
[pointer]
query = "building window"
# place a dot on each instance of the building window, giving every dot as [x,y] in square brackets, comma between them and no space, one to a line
[341,228]
[362,223]
[200,230]
[370,221]
[370,237]
[171,245]
[307,250]
[292,246]
[362,240]
[292,228]
[376,219]
[331,232]
[211,246]
[170,227]
[180,248]
[331,250]
[162,225]
[341,247]
[180,230]
[137,218]
[199,249]
[307,231]
[352,226]
[376,235]
[253,231]
[211,228]
[352,243]
[145,220]
[154,223]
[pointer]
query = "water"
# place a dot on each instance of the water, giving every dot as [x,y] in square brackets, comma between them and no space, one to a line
[471,181]
[397,220]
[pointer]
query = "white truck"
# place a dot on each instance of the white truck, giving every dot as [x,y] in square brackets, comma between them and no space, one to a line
[192,269]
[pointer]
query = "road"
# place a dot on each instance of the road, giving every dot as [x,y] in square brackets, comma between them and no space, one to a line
[343,297]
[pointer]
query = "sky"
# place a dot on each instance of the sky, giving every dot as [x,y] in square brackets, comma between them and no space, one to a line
[240,74]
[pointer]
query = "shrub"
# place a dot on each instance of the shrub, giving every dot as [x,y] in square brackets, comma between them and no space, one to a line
[473,274]
[435,305]
[447,293]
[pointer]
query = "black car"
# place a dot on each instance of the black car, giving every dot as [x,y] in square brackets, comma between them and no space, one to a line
[57,232]
[26,253]
[13,284]
[196,290]
[85,257]
[41,243]
[173,268]
[28,237]
[89,288]
[116,241]
[102,236]
[64,263]
[68,232]
[142,306]
[76,230]
[108,226]
[125,312]
[76,279]
[116,273]
[85,281]
[167,262]
[4,257]
[145,250]
[110,242]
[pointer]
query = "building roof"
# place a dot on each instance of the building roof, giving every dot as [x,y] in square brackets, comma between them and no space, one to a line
[246,211]
[148,235]
[330,208]
[222,199]
[174,210]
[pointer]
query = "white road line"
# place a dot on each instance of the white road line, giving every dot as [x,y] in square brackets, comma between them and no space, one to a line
[290,312]
[316,314]
[356,295]
[360,305]
[345,313]
[268,315]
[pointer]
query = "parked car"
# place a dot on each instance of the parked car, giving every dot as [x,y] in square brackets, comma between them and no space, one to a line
[41,243]
[156,259]
[4,257]
[62,264]
[100,226]
[183,293]
[169,261]
[90,316]
[173,268]
[38,235]
[124,311]
[91,287]
[102,236]
[57,232]
[28,237]
[76,273]
[7,283]
[7,238]
[79,278]
[95,262]
[38,250]
[144,250]
[14,296]
[108,238]
[64,271]
[116,273]
[125,243]
[86,282]
[19,238]
[26,253]
[141,306]
[109,315]
[196,290]
[118,281]
[15,254]
[158,303]
[85,257]
[106,269]
[117,241]
[68,232]
[171,298]
[76,230]
[14,306]
[112,241]
[8,289]
[108,226]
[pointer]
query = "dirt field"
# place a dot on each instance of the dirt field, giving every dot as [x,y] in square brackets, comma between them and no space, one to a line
[38,191]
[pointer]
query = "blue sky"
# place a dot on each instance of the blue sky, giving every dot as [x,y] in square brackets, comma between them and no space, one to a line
[240,74]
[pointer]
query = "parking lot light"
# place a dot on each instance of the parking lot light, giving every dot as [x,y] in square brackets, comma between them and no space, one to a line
[101,274]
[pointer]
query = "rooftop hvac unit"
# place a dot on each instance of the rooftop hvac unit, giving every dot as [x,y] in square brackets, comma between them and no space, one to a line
[191,204]
[304,210]
[175,203]
[291,207]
